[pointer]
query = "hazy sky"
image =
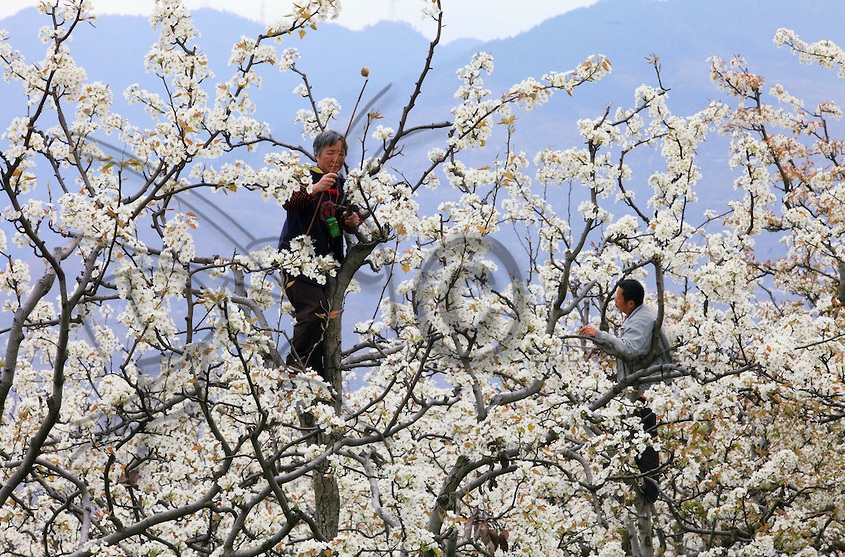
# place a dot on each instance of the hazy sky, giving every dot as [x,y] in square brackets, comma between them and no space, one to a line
[480,19]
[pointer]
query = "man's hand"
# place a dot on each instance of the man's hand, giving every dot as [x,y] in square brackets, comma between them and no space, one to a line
[588,331]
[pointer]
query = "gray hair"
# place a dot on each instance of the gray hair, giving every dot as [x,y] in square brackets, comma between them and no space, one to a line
[326,138]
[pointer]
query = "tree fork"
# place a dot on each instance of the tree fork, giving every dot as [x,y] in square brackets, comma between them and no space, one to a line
[326,491]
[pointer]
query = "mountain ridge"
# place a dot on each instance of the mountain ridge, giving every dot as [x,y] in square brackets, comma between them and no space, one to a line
[626,31]
[683,33]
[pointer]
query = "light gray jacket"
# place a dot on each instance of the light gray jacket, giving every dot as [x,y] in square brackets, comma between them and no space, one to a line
[634,342]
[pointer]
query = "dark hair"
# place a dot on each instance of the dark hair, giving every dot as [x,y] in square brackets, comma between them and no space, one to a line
[632,291]
[326,138]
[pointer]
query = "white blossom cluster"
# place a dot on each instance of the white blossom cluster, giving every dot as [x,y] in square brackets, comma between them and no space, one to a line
[146,406]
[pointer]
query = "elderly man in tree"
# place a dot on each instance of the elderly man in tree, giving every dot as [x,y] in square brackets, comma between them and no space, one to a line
[633,351]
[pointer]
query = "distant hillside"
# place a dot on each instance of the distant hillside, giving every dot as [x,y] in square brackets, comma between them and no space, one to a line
[682,32]
[113,51]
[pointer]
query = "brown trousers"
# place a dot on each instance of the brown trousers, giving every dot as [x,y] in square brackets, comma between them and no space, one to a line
[310,309]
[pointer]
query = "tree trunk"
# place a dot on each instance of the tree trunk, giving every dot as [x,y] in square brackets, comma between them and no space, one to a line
[335,293]
[643,534]
[326,492]
[327,500]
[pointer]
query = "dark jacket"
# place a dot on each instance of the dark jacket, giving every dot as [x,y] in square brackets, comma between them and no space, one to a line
[307,213]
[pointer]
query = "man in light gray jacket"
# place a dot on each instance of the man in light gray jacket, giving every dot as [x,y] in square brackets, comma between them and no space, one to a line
[633,351]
